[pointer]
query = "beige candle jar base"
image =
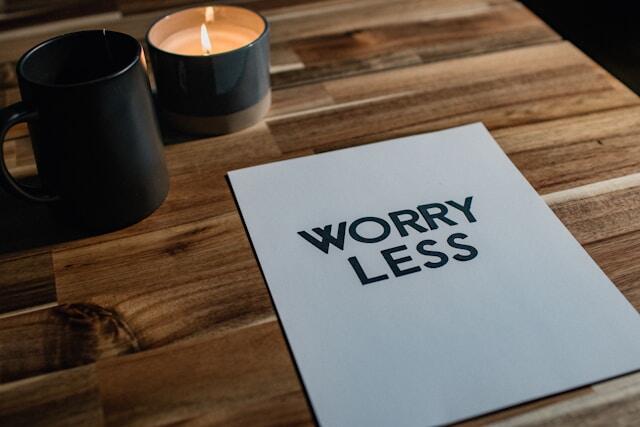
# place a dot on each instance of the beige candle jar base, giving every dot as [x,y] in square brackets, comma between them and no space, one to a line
[219,125]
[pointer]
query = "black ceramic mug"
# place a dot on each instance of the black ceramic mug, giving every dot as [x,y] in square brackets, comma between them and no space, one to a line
[88,104]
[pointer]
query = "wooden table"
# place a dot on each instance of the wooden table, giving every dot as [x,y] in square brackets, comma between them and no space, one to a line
[169,321]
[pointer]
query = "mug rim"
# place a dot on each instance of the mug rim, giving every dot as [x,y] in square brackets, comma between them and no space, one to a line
[28,54]
[262,35]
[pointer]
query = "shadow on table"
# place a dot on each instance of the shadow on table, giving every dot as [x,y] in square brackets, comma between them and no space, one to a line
[606,31]
[25,225]
[172,137]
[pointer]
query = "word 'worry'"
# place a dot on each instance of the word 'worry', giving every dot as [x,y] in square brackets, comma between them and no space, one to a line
[424,218]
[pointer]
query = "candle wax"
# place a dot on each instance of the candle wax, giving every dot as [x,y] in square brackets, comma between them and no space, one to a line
[223,37]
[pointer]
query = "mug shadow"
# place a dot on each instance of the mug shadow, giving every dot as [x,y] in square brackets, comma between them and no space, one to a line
[173,137]
[25,225]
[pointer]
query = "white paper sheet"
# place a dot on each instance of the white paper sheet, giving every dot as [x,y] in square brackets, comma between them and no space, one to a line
[529,315]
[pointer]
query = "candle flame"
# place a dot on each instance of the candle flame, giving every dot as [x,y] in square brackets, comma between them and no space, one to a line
[209,14]
[204,40]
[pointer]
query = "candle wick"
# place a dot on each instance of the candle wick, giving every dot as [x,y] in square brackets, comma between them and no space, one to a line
[204,40]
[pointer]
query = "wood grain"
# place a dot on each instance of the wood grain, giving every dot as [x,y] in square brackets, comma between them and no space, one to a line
[18,14]
[63,398]
[605,215]
[26,280]
[234,376]
[416,39]
[169,321]
[59,338]
[587,127]
[18,155]
[556,81]
[563,166]
[201,274]
[612,403]
[619,257]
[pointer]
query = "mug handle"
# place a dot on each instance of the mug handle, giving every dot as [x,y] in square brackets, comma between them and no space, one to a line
[9,116]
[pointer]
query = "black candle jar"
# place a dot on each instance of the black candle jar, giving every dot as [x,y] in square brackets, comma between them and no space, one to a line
[211,93]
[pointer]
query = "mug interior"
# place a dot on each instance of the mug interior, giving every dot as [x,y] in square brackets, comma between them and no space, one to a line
[79,58]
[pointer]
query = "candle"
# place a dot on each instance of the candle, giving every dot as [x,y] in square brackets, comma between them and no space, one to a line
[212,68]
[221,36]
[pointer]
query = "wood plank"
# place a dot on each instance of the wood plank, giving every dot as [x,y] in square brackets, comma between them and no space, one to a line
[23,13]
[9,152]
[287,410]
[414,41]
[587,127]
[331,17]
[602,216]
[558,60]
[23,152]
[619,257]
[250,146]
[552,81]
[18,156]
[557,168]
[239,376]
[299,98]
[17,43]
[59,338]
[26,281]
[512,412]
[593,189]
[8,82]
[613,249]
[203,275]
[560,154]
[129,7]
[612,403]
[283,58]
[64,398]
[17,131]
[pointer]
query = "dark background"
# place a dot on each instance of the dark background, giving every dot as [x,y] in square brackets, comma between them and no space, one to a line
[607,31]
